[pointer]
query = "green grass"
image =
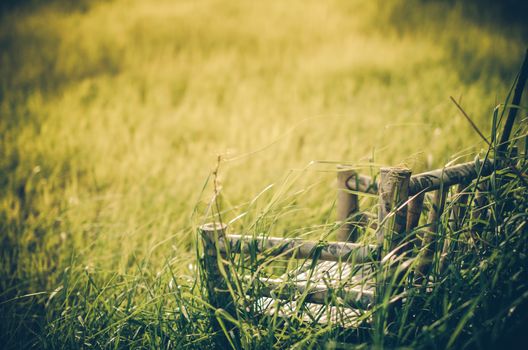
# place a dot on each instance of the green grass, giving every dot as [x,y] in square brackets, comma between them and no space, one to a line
[113,116]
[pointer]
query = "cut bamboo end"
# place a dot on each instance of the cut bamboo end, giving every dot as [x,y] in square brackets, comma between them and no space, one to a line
[213,227]
[395,172]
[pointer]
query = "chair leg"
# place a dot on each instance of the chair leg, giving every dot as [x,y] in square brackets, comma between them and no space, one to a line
[216,276]
[347,206]
[430,234]
[459,209]
[393,192]
[413,217]
[392,215]
[479,211]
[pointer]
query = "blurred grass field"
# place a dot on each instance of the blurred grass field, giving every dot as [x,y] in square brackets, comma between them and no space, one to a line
[113,115]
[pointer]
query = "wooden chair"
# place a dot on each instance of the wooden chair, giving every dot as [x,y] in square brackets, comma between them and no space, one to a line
[338,281]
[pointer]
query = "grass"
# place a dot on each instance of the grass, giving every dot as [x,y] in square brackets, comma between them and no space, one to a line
[113,117]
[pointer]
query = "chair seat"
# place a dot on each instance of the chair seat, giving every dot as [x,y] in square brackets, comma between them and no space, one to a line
[341,316]
[334,274]
[323,277]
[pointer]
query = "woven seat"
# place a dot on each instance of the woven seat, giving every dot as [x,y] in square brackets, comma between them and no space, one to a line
[323,276]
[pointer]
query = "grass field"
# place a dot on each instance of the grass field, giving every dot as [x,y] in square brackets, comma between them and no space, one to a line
[115,114]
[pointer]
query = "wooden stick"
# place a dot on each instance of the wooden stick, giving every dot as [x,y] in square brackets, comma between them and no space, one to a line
[478,211]
[459,208]
[362,183]
[431,233]
[413,215]
[393,192]
[347,206]
[453,175]
[319,293]
[216,284]
[301,249]
[456,217]
[392,221]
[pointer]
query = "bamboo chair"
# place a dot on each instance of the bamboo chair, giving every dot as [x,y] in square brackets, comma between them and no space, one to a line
[338,281]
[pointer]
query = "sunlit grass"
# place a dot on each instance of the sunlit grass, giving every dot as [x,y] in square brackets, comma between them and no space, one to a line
[112,119]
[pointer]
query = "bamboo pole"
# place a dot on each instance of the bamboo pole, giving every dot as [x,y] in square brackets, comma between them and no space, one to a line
[414,212]
[459,208]
[456,217]
[362,183]
[301,249]
[453,175]
[479,211]
[428,240]
[393,192]
[216,277]
[320,293]
[347,206]
[392,221]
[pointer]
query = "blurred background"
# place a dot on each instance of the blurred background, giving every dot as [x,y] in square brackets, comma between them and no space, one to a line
[113,114]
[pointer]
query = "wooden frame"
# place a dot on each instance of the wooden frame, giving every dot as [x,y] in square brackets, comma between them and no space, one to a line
[401,200]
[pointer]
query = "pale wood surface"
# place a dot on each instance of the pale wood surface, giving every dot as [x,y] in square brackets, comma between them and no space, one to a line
[300,249]
[453,175]
[347,204]
[393,192]
[352,290]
